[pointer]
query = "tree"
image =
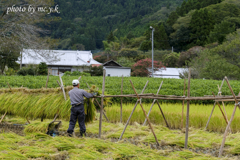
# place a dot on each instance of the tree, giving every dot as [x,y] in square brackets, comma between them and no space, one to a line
[42,68]
[201,24]
[210,65]
[171,60]
[8,55]
[21,28]
[141,68]
[218,34]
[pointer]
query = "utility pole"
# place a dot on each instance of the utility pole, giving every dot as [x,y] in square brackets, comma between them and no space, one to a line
[152,46]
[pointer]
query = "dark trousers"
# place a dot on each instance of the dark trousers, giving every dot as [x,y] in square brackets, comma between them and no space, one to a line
[77,113]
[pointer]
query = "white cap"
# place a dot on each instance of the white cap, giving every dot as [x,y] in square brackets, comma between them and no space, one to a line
[75,82]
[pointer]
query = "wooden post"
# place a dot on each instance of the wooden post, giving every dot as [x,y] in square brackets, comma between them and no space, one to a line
[188,107]
[221,110]
[6,111]
[219,91]
[132,112]
[183,103]
[210,115]
[3,117]
[79,78]
[62,87]
[47,81]
[121,101]
[228,126]
[152,104]
[100,107]
[162,114]
[145,114]
[102,99]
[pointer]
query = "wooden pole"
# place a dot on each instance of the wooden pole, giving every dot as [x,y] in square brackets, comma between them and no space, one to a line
[79,78]
[188,107]
[152,104]
[221,110]
[162,114]
[145,114]
[210,115]
[228,126]
[121,101]
[6,111]
[219,91]
[47,80]
[132,112]
[101,109]
[183,103]
[3,117]
[62,87]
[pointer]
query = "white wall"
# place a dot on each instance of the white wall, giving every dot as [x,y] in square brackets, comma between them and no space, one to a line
[118,72]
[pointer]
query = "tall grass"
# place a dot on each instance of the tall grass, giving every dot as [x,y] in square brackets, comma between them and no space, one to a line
[199,115]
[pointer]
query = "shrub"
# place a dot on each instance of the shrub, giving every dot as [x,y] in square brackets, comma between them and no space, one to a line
[141,67]
[43,69]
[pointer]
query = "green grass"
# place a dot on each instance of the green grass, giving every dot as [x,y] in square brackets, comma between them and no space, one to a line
[199,115]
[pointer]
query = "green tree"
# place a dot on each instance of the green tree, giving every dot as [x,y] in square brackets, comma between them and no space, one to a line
[42,68]
[202,23]
[218,34]
[171,60]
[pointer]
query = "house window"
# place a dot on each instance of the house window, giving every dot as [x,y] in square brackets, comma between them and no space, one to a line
[108,75]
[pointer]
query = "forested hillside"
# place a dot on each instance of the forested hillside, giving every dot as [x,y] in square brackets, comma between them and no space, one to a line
[85,24]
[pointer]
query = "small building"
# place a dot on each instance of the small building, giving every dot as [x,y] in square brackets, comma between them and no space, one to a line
[113,69]
[67,60]
[168,73]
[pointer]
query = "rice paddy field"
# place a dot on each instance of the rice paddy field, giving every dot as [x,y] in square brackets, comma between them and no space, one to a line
[137,143]
[20,140]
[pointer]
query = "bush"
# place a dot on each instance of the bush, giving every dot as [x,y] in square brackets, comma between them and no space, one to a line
[26,71]
[76,73]
[10,72]
[96,71]
[42,68]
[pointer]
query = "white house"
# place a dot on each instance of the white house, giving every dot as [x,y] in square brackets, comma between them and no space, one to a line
[168,73]
[67,60]
[114,69]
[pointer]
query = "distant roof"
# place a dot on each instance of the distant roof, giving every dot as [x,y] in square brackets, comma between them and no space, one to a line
[111,63]
[65,57]
[116,67]
[168,73]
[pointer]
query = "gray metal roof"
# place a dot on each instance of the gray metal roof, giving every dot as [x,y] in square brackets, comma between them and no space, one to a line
[65,57]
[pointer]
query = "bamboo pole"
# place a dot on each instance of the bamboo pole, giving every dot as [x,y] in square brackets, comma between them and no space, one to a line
[47,81]
[228,126]
[188,107]
[102,99]
[62,87]
[3,117]
[220,93]
[183,103]
[180,98]
[79,78]
[221,110]
[145,115]
[162,114]
[121,100]
[132,112]
[210,115]
[152,104]
[6,111]
[103,111]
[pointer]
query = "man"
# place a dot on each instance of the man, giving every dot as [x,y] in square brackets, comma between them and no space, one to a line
[77,110]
